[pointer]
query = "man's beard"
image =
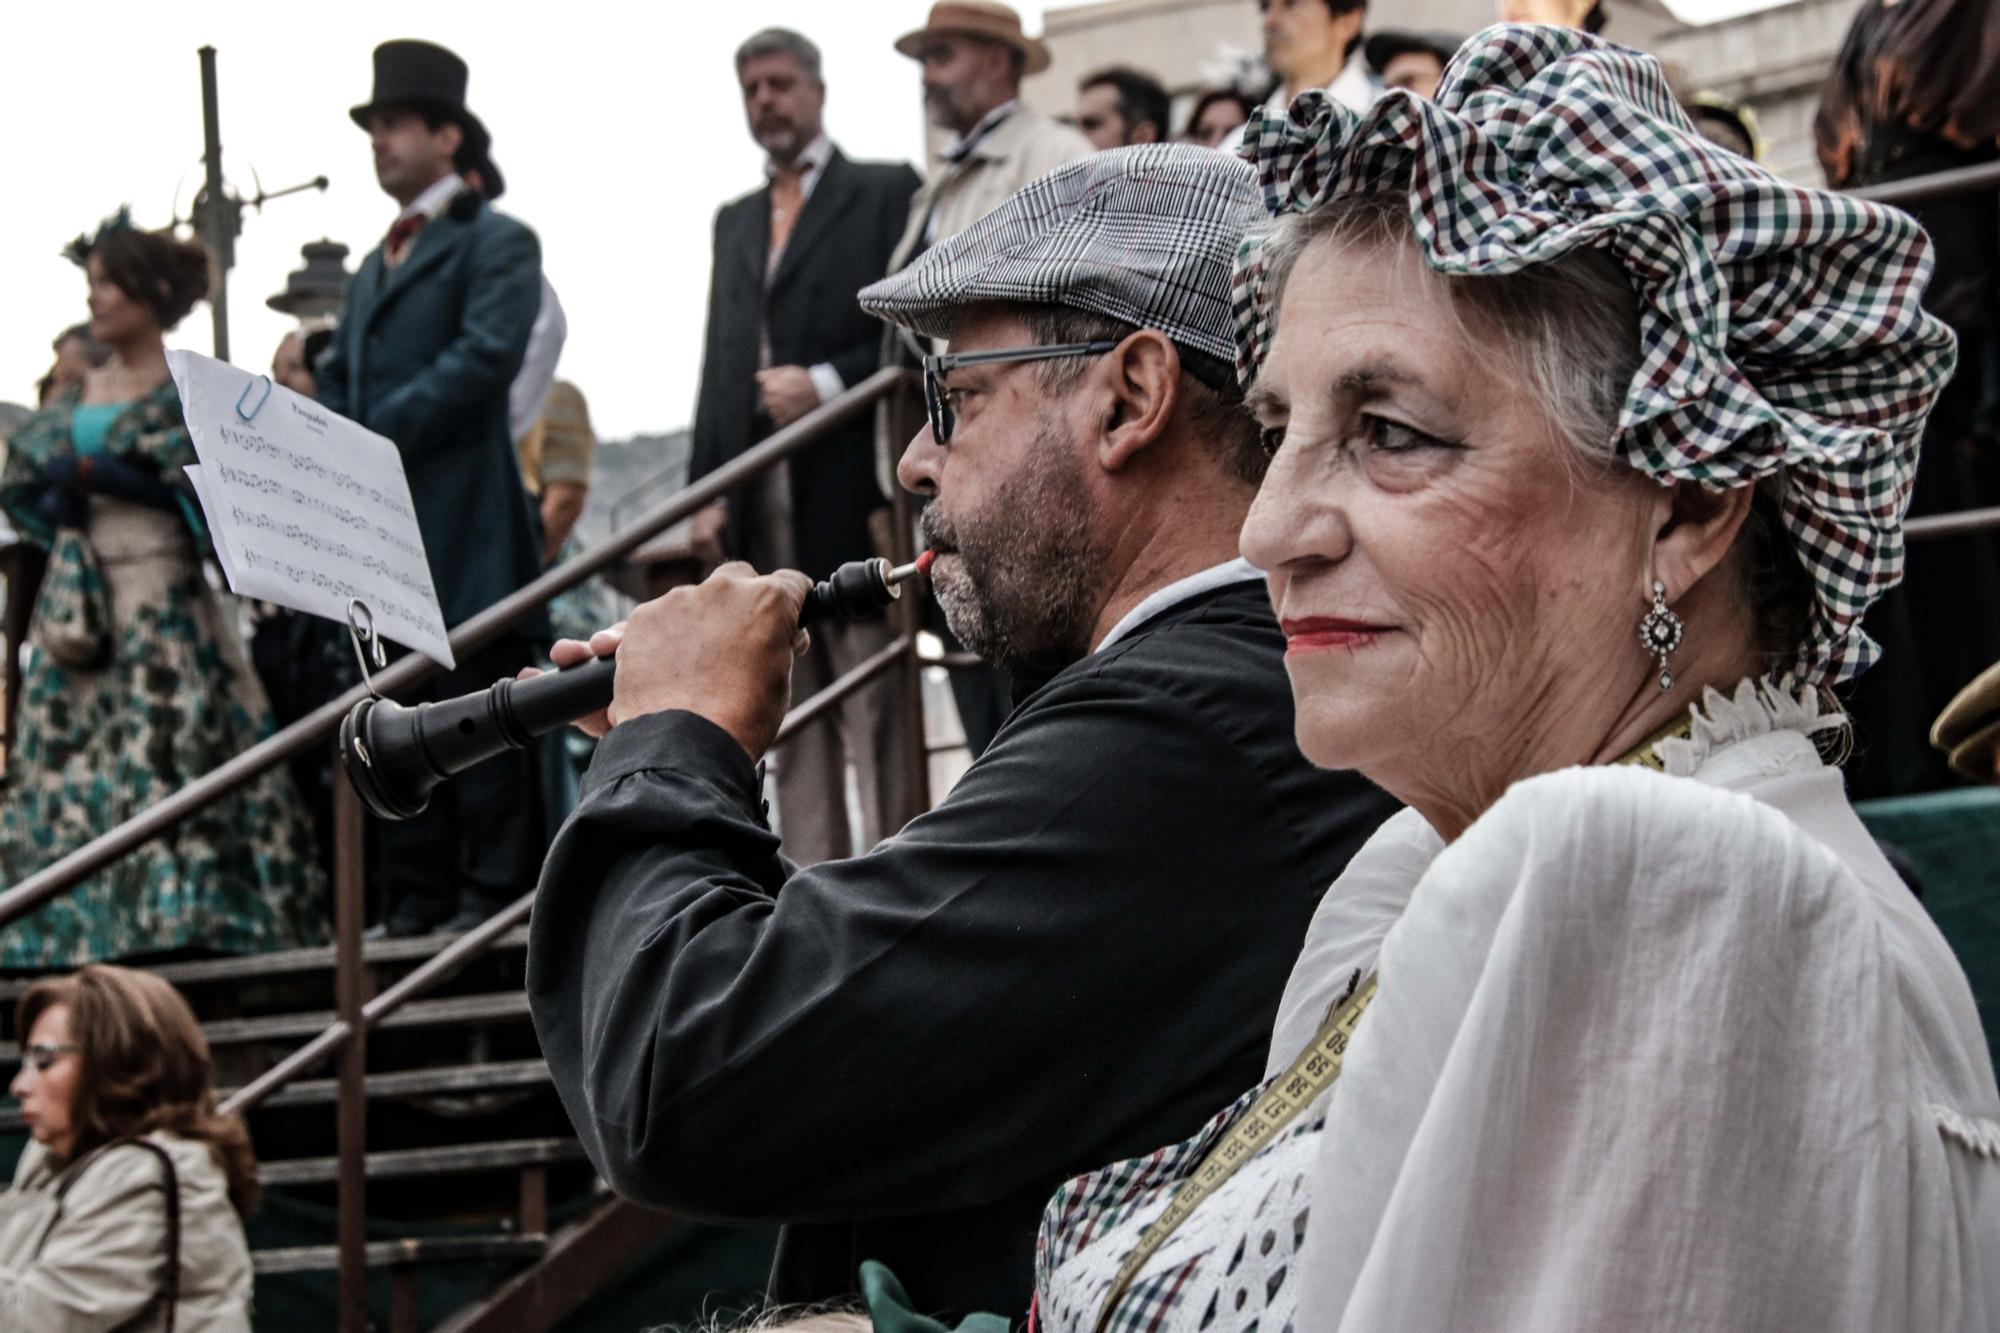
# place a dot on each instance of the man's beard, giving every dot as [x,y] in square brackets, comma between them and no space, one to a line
[1025,587]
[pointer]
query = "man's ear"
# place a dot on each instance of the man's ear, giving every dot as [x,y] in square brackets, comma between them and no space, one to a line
[453,138]
[1696,528]
[1143,377]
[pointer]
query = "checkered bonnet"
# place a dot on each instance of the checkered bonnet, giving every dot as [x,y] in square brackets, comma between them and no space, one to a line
[1145,235]
[1780,332]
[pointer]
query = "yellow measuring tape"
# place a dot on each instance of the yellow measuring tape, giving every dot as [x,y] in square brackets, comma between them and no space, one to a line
[1280,1104]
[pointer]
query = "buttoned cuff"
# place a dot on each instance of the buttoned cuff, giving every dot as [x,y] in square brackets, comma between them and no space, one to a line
[675,741]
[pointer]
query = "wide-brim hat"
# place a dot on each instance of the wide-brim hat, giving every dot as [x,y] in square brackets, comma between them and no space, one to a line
[978,18]
[1386,45]
[421,75]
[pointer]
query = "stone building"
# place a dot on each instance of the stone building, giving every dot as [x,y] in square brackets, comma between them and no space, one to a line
[1774,59]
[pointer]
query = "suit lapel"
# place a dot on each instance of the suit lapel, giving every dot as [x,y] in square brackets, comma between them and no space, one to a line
[752,234]
[828,202]
[440,236]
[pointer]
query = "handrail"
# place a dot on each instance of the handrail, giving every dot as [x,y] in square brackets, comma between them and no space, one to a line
[318,727]
[443,965]
[1936,185]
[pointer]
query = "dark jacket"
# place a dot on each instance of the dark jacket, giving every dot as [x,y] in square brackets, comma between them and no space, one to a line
[425,355]
[839,245]
[1075,958]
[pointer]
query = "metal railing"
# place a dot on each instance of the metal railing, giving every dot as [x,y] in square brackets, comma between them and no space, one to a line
[356,1012]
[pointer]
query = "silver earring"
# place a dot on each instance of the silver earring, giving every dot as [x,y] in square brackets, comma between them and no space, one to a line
[1660,633]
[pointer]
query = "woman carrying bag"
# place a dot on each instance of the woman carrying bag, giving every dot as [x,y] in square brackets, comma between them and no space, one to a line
[126,1209]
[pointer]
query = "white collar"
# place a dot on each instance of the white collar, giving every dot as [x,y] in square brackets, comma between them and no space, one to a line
[1223,575]
[812,159]
[434,199]
[1354,88]
[961,148]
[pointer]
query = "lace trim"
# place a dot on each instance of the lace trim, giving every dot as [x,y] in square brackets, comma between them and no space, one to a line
[1979,1135]
[1759,707]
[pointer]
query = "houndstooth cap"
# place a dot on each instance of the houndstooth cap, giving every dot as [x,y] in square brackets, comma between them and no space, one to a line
[1145,235]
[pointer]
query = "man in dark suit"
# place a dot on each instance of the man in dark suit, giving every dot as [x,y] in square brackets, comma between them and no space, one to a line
[435,325]
[785,335]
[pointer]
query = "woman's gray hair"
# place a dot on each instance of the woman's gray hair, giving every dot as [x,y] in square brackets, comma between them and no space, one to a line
[781,42]
[1568,330]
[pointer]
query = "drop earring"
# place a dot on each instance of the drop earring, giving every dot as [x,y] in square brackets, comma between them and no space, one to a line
[1660,633]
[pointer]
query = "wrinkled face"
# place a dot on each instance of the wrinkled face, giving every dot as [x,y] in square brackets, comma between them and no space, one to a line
[1418,71]
[1451,577]
[964,78]
[1098,117]
[1558,13]
[410,156]
[1218,121]
[288,366]
[48,1096]
[115,317]
[1303,34]
[1012,516]
[782,104]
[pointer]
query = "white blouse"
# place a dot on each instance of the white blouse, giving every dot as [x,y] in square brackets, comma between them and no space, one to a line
[1648,1052]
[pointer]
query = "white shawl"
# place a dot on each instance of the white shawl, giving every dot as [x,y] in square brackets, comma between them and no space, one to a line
[1650,1053]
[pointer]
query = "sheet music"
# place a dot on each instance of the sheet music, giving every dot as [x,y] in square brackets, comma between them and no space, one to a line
[307,509]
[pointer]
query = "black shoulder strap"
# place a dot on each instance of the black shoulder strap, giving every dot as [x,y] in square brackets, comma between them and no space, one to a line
[170,1289]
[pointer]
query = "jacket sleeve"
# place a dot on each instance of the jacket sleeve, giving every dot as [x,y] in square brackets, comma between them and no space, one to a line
[504,294]
[705,450]
[104,1261]
[857,362]
[924,1027]
[330,376]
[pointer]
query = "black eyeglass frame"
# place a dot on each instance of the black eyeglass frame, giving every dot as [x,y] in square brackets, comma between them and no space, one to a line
[936,367]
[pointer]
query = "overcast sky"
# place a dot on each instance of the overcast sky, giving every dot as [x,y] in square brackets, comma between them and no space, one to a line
[618,126]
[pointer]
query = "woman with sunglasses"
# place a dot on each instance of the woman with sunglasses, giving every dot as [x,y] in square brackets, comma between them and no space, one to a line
[126,1210]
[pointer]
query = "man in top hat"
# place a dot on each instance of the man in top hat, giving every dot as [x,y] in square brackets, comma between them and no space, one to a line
[1076,957]
[436,323]
[974,55]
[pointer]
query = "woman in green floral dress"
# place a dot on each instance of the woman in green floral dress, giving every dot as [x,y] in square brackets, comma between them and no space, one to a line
[135,682]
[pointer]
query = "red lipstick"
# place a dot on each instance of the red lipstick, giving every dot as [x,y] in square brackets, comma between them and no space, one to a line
[1314,632]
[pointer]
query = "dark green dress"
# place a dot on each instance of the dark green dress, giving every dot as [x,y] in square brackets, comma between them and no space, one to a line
[173,698]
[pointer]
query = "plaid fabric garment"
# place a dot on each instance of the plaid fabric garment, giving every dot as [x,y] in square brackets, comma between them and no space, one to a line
[1111,1208]
[1145,235]
[1781,334]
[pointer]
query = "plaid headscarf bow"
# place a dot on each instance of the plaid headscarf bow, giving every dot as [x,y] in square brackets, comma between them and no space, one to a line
[1779,328]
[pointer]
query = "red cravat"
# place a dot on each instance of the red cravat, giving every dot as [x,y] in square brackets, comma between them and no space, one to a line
[401,234]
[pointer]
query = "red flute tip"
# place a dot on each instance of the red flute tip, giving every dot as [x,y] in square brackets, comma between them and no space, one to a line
[924,562]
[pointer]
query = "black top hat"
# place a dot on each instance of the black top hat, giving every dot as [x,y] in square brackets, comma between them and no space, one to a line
[416,74]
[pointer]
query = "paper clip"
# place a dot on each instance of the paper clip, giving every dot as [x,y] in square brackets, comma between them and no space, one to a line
[251,415]
[367,643]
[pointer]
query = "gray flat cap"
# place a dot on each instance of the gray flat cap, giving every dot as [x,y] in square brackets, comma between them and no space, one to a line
[1145,235]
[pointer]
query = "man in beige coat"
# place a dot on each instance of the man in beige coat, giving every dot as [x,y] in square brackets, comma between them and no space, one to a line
[973,55]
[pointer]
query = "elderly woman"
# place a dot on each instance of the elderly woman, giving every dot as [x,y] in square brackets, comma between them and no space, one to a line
[126,1210]
[1590,445]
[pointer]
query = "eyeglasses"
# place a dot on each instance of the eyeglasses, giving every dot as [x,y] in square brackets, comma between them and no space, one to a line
[937,397]
[44,1054]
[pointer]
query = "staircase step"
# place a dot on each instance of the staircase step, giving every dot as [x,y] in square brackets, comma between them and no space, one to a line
[390,1253]
[206,971]
[455,1160]
[502,1006]
[452,1080]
